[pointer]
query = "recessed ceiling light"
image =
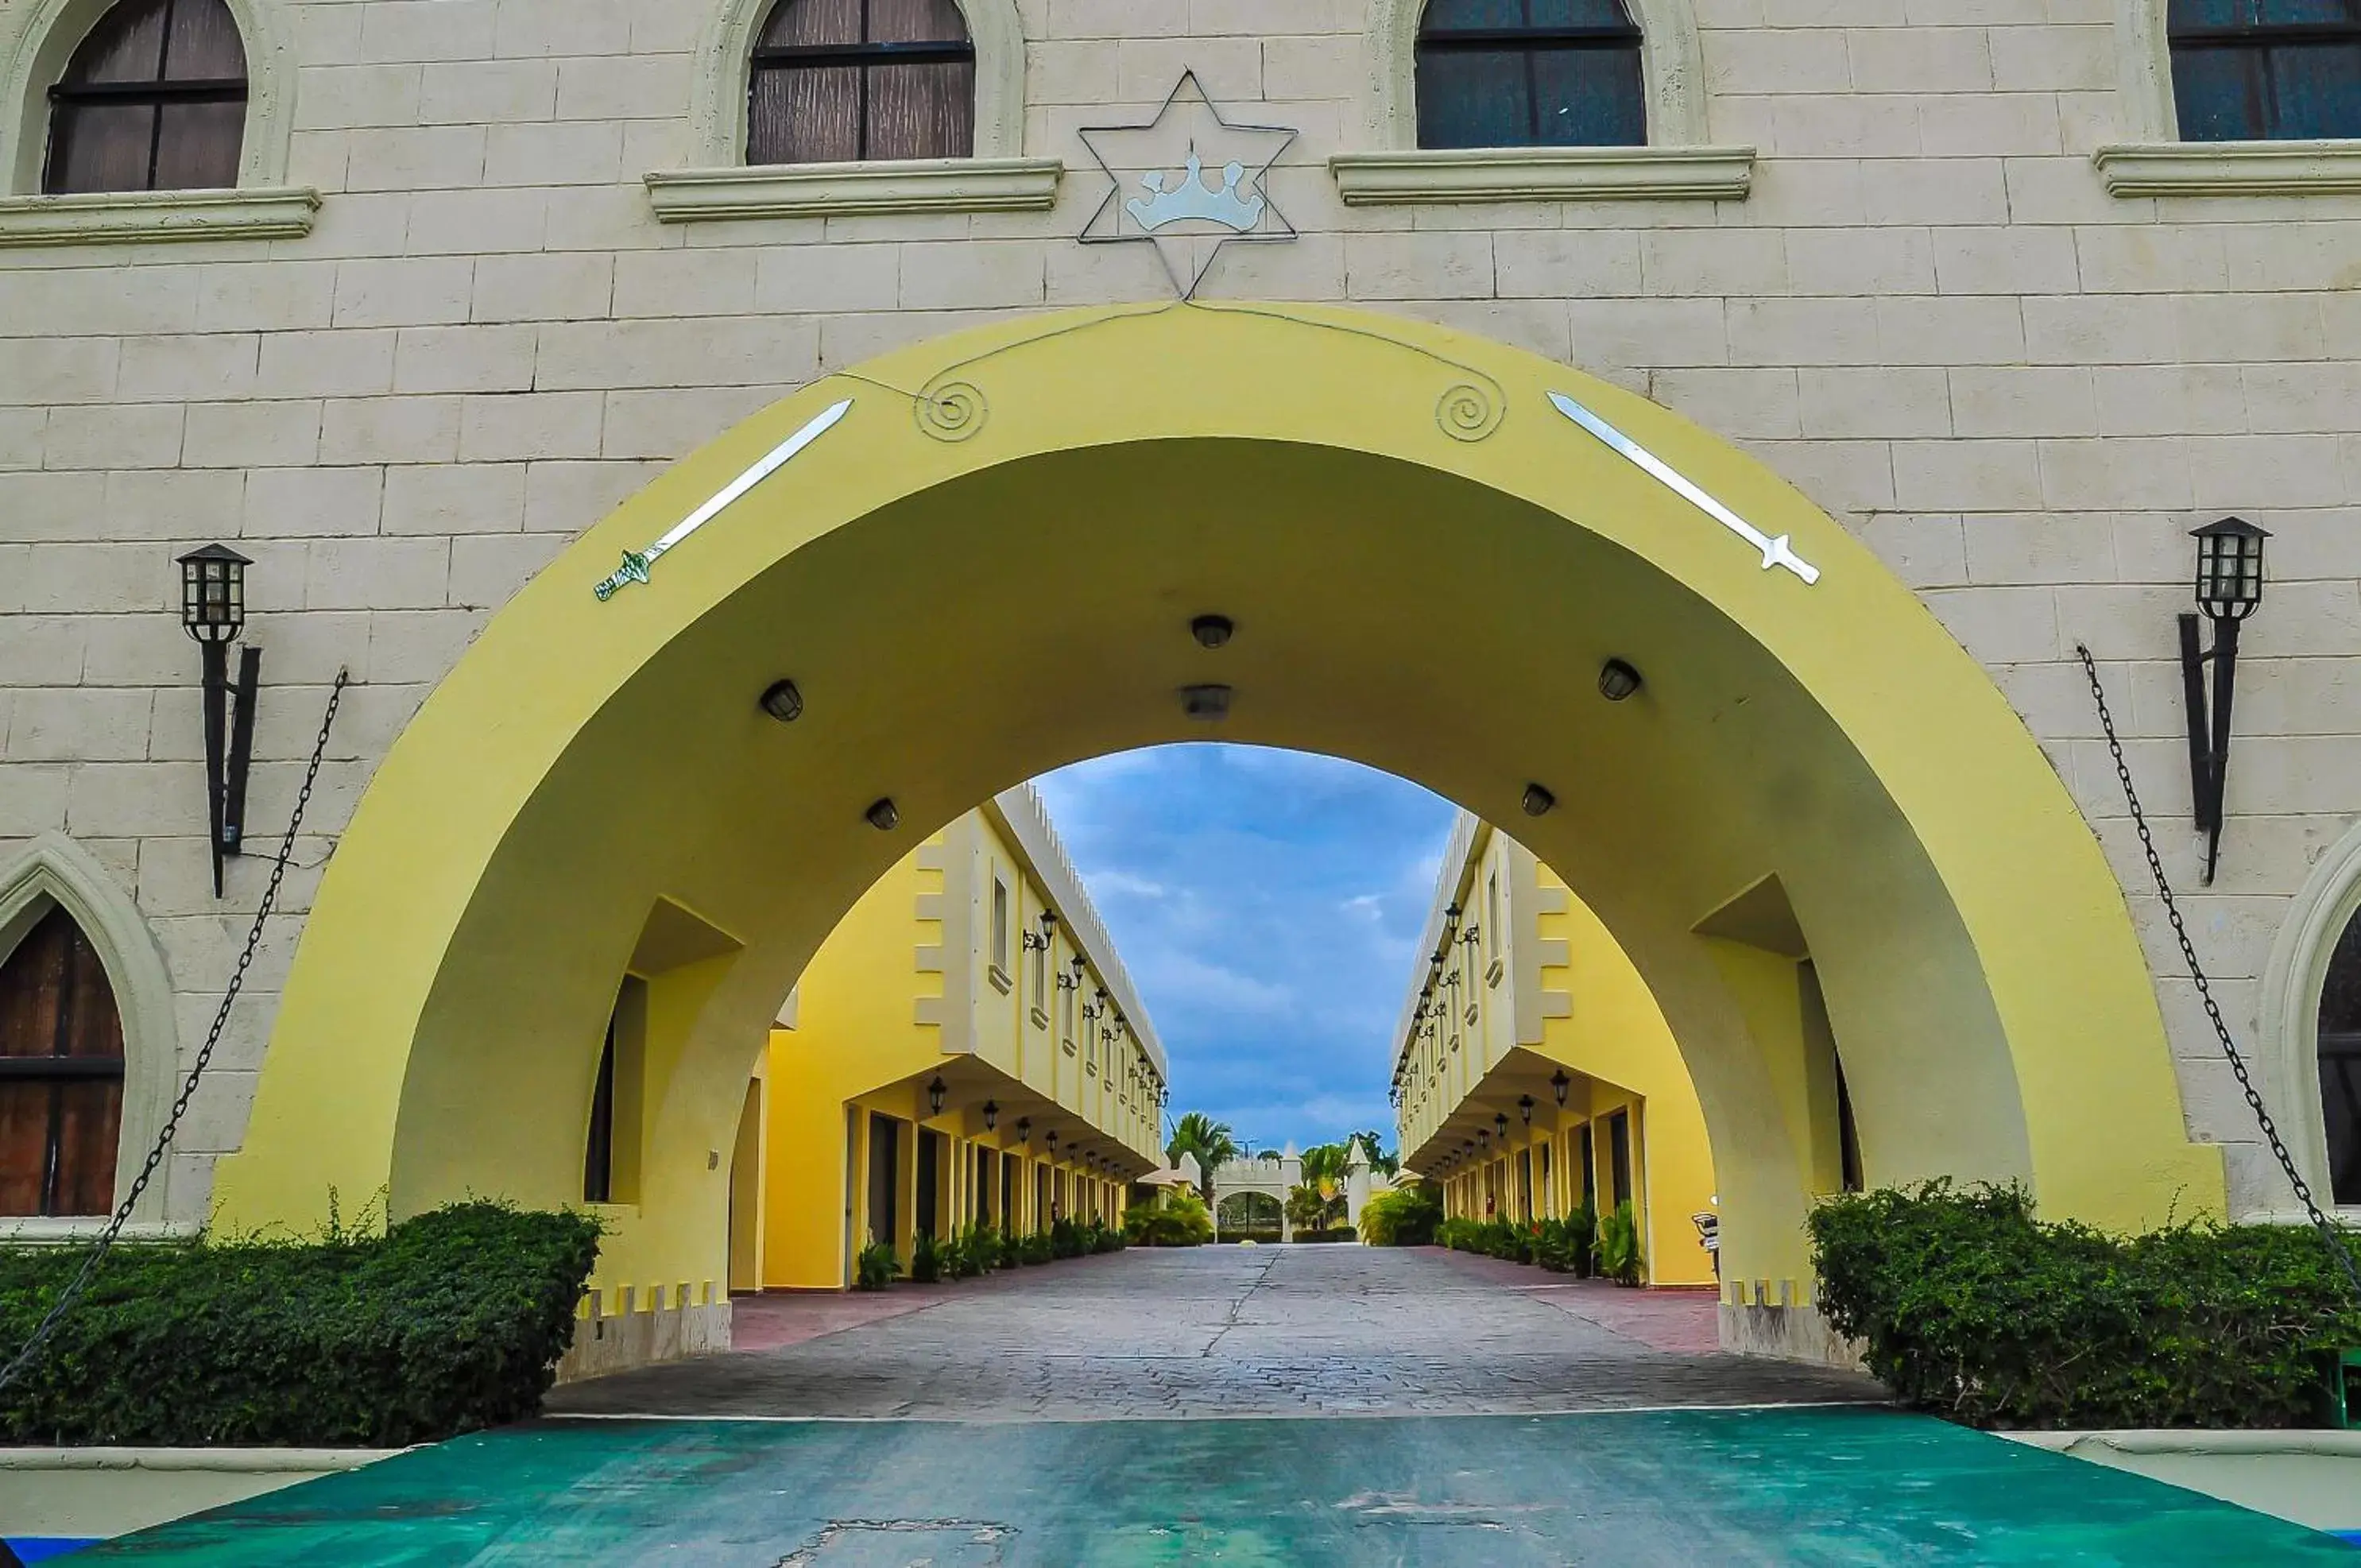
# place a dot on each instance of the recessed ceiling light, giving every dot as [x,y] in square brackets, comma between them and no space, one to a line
[1617,680]
[883,815]
[783,701]
[1211,630]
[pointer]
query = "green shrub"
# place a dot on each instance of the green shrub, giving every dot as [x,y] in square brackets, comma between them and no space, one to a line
[1038,1248]
[1180,1218]
[1967,1305]
[1407,1216]
[1012,1250]
[925,1260]
[876,1268]
[451,1322]
[1618,1246]
[1329,1234]
[1066,1239]
[1582,1242]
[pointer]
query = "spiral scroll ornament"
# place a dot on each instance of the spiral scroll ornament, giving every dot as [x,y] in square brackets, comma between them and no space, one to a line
[1468,412]
[953,411]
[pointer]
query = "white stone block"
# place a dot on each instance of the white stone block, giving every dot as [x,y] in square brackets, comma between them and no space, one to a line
[390,430]
[519,427]
[113,435]
[246,436]
[559,286]
[475,498]
[490,359]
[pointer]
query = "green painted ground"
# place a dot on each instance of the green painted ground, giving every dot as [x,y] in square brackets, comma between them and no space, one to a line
[1689,1488]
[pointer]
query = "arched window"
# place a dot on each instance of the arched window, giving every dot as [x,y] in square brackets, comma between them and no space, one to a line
[2340,1064]
[846,80]
[1530,74]
[153,100]
[61,1073]
[2265,70]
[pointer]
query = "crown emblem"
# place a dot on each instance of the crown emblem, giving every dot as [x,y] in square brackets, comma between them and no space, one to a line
[1193,199]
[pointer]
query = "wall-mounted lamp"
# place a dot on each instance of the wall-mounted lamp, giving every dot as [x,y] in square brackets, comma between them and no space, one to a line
[991,1114]
[1500,1121]
[1559,1084]
[213,610]
[1539,801]
[883,815]
[1525,1107]
[783,701]
[1618,680]
[934,1092]
[1024,1129]
[1052,1142]
[1483,1138]
[2229,588]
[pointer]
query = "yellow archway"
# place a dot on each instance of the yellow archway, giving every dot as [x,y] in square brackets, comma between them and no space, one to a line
[987,569]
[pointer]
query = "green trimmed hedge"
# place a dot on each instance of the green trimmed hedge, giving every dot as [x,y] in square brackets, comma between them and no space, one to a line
[451,1322]
[1968,1307]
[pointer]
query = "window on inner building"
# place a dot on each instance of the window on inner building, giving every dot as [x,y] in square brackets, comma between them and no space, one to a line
[153,100]
[1000,925]
[848,81]
[2265,70]
[2340,1064]
[61,1074]
[1530,74]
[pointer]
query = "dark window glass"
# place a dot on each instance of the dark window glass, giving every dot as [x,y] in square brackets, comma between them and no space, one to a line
[1848,1138]
[2340,1064]
[599,1147]
[1530,74]
[844,81]
[885,1177]
[930,1173]
[2265,70]
[1590,1169]
[61,1074]
[1618,1157]
[153,100]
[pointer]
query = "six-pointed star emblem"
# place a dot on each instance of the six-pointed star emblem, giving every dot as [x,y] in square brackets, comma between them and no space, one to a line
[1186,182]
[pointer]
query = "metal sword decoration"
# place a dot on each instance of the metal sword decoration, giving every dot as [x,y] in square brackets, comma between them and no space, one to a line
[636,563]
[1776,552]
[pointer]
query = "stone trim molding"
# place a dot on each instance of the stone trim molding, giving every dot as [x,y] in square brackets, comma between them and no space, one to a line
[840,190]
[54,869]
[723,70]
[75,1229]
[2290,1042]
[2231,167]
[1433,175]
[1668,63]
[294,1462]
[137,217]
[38,36]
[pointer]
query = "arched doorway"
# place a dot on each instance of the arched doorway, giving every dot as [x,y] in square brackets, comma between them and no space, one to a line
[989,568]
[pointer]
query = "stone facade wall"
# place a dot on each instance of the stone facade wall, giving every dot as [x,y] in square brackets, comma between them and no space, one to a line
[1929,314]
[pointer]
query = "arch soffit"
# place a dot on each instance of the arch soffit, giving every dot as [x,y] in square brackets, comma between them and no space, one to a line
[53,869]
[2092,985]
[2328,902]
[724,69]
[39,39]
[1669,57]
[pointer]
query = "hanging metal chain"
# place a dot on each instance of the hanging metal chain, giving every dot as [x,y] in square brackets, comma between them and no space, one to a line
[31,1349]
[2329,1230]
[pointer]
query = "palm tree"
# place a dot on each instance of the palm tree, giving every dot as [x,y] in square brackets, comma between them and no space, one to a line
[1212,1142]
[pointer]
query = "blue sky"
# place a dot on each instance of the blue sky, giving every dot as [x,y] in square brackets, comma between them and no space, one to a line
[1266,904]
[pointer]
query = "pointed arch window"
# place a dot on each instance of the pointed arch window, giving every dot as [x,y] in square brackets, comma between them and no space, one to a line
[1530,74]
[61,1073]
[2340,1064]
[853,81]
[2265,70]
[154,99]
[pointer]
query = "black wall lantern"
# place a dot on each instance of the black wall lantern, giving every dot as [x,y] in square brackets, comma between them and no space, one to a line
[1525,1107]
[2229,588]
[1024,1129]
[934,1092]
[213,610]
[1559,1083]
[991,1114]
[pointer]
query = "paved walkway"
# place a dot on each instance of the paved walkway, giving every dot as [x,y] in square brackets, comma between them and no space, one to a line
[1213,1332]
[1036,1430]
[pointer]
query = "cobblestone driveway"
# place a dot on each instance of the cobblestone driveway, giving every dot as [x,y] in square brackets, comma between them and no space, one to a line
[1226,1332]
